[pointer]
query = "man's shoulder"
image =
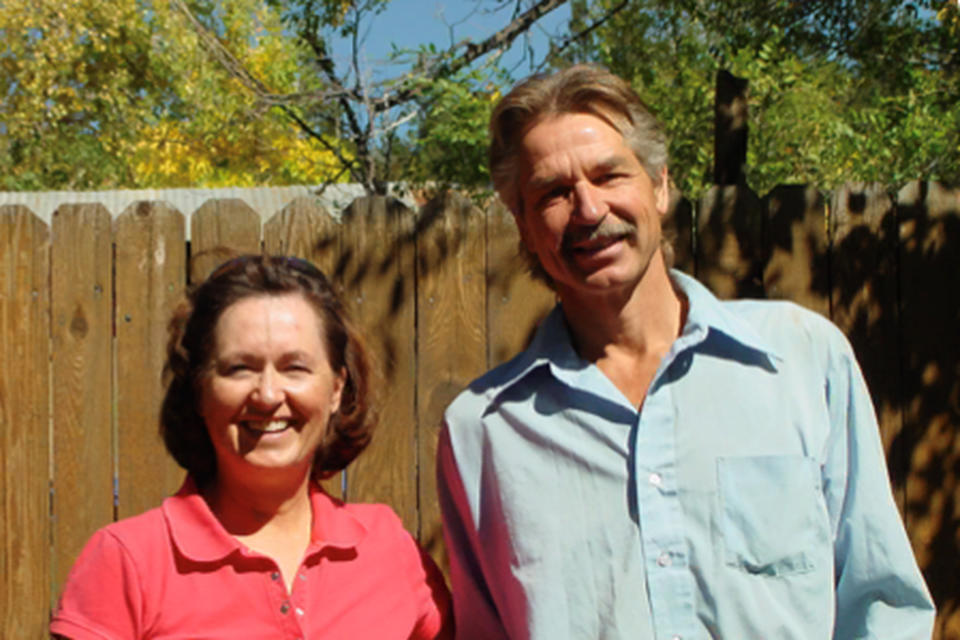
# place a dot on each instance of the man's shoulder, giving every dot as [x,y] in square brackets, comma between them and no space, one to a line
[472,402]
[790,328]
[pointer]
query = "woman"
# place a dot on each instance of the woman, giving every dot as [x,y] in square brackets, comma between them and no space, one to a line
[267,393]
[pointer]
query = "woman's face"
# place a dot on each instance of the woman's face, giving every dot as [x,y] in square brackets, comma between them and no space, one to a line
[270,391]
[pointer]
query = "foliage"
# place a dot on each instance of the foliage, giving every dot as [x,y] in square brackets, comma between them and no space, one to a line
[424,119]
[121,94]
[449,146]
[838,90]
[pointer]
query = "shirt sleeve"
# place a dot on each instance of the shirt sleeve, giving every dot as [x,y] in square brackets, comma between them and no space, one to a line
[473,609]
[101,598]
[879,590]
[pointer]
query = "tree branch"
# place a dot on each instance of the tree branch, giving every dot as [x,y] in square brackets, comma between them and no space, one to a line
[583,33]
[446,64]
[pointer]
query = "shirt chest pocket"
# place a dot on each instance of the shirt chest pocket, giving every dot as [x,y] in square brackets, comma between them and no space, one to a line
[772,515]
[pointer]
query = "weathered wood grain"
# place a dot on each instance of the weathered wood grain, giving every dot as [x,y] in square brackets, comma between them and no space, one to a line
[796,247]
[863,264]
[150,262]
[451,333]
[378,274]
[924,456]
[82,378]
[516,303]
[25,596]
[220,230]
[730,242]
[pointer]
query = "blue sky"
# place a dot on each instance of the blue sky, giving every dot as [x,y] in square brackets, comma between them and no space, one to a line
[409,23]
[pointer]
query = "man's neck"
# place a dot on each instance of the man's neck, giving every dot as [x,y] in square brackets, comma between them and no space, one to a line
[627,333]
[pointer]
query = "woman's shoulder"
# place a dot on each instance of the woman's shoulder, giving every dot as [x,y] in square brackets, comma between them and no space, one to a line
[373,517]
[134,528]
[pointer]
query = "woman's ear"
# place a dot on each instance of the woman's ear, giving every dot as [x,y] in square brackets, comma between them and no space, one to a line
[336,394]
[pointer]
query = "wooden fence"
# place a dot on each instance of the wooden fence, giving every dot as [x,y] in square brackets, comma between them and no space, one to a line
[442,296]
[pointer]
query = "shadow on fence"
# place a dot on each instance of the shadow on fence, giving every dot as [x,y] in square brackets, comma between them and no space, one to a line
[442,295]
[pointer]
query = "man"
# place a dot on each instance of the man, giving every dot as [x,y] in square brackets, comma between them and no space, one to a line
[658,464]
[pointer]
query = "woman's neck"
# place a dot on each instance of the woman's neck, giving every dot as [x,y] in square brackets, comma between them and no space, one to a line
[273,520]
[245,507]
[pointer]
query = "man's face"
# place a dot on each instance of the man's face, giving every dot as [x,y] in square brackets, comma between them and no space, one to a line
[588,209]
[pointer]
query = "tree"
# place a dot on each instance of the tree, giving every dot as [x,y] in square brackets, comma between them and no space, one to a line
[120,94]
[839,89]
[425,122]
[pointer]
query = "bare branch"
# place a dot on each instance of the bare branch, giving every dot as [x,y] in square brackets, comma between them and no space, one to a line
[583,33]
[447,64]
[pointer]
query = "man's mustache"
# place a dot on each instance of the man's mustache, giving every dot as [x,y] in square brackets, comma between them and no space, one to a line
[600,232]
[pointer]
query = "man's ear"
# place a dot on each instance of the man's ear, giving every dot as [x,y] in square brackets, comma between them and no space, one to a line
[662,192]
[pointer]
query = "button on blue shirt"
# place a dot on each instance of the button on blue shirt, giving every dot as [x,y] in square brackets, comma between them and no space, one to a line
[746,499]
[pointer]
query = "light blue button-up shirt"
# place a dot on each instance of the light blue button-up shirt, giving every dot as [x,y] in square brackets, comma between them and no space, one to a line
[747,500]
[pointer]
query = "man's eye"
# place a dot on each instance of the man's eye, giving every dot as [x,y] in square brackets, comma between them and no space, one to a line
[608,177]
[554,194]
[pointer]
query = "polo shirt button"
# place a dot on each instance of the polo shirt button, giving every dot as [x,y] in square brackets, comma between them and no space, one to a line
[655,479]
[275,575]
[285,607]
[676,637]
[299,611]
[664,559]
[302,576]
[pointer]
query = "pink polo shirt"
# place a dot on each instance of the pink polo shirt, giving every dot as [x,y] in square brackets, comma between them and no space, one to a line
[174,572]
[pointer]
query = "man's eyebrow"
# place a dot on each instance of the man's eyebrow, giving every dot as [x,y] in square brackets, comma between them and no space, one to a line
[544,181]
[610,162]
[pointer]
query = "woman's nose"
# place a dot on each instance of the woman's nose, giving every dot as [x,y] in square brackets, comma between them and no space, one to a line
[269,391]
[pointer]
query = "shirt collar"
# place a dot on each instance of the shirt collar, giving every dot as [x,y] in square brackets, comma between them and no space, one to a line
[199,536]
[706,314]
[552,345]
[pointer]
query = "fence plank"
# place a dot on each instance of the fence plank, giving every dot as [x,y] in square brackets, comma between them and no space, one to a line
[797,247]
[730,242]
[377,271]
[863,267]
[82,379]
[24,424]
[150,268]
[304,229]
[451,332]
[220,230]
[678,230]
[516,303]
[925,453]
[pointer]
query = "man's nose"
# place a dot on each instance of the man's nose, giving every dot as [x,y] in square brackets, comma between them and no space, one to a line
[590,205]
